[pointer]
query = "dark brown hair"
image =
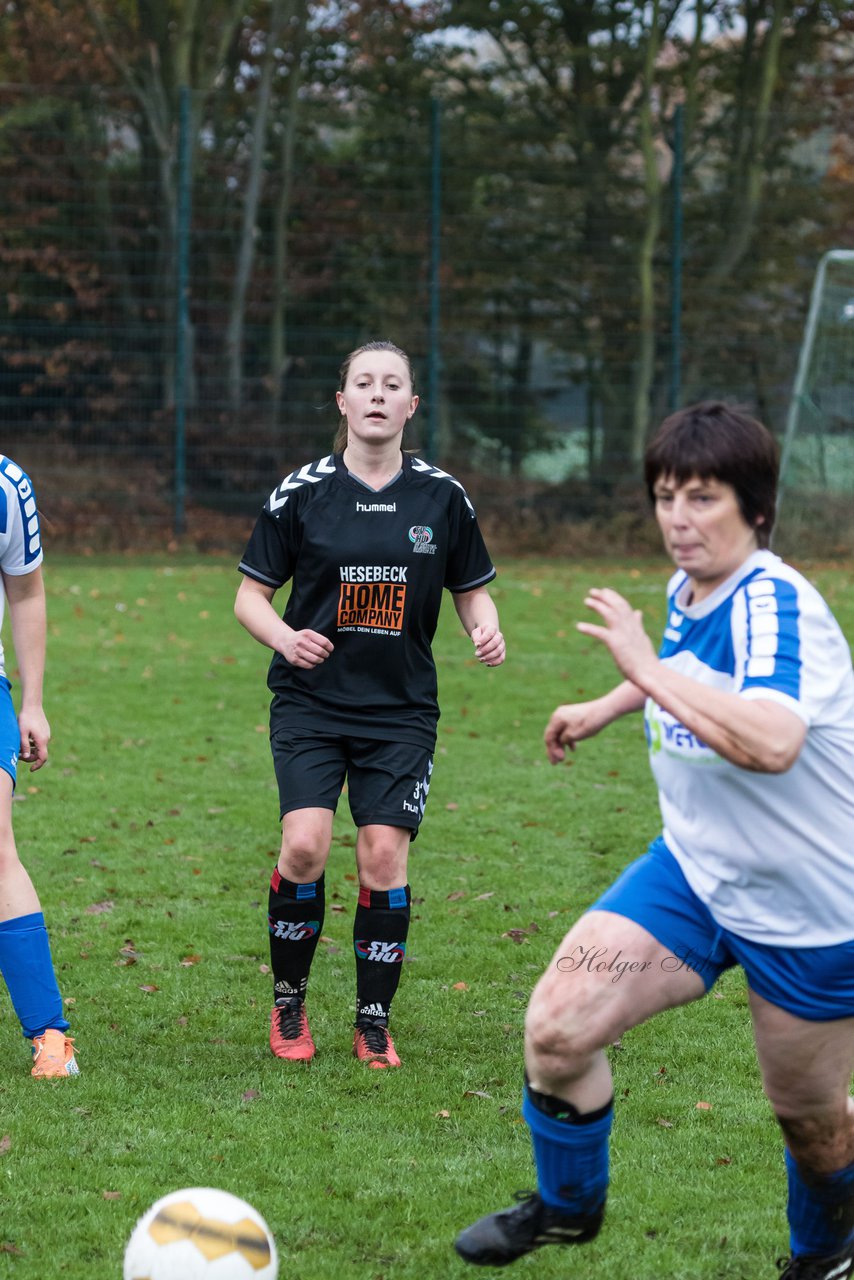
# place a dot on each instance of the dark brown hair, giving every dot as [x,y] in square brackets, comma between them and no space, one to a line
[340,442]
[717,441]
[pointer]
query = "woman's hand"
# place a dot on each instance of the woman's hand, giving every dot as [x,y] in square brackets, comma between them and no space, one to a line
[569,724]
[305,649]
[623,633]
[489,646]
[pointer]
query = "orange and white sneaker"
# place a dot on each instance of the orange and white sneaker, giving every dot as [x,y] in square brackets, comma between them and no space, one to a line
[373,1044]
[53,1055]
[290,1036]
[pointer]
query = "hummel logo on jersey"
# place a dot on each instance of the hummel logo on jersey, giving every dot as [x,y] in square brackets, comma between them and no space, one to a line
[384,952]
[290,931]
[376,506]
[312,473]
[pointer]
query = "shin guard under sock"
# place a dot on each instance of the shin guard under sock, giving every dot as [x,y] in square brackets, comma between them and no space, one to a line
[820,1210]
[27,969]
[379,941]
[295,919]
[571,1152]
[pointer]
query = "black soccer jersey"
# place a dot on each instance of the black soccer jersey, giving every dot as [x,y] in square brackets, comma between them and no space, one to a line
[368,571]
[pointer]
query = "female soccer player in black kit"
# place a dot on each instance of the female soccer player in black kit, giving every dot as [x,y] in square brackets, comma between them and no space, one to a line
[368,537]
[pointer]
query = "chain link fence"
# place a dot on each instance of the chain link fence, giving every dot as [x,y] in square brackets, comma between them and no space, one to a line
[165,358]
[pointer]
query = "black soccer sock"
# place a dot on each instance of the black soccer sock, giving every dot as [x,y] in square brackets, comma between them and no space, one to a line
[379,940]
[295,920]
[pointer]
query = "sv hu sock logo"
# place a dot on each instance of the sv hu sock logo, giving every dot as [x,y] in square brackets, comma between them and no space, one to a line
[293,931]
[384,952]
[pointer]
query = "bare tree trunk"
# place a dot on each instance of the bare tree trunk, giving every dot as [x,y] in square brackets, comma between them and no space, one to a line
[744,196]
[155,82]
[248,230]
[748,181]
[645,361]
[278,356]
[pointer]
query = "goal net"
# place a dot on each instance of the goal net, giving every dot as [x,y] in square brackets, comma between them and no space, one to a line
[816,494]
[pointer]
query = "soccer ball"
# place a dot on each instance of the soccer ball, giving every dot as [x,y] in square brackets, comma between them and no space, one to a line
[201,1234]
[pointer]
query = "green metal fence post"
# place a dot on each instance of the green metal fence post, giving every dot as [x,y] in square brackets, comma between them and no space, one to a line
[676,262]
[433,355]
[182,310]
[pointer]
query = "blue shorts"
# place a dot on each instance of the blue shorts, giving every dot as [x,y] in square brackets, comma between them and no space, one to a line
[10,734]
[815,983]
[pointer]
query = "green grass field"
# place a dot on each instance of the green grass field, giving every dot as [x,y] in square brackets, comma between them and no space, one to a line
[151,837]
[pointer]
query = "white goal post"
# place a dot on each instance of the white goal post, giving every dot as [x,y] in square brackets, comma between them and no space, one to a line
[818,445]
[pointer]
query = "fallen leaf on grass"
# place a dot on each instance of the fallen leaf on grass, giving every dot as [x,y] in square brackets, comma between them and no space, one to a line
[8,1247]
[265,968]
[188,961]
[443,1115]
[5,1144]
[459,986]
[724,1160]
[704,1106]
[112,1195]
[477,1093]
[452,807]
[456,895]
[150,987]
[128,954]
[481,897]
[665,1124]
[98,908]
[250,1095]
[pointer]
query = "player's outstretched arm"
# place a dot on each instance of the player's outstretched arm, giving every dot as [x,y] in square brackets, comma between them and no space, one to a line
[28,616]
[575,721]
[254,610]
[479,616]
[756,734]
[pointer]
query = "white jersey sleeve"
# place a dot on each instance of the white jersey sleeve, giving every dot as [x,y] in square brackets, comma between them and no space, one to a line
[20,535]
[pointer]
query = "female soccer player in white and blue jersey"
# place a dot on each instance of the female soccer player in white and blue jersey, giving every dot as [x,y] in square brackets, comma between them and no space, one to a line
[25,959]
[749,712]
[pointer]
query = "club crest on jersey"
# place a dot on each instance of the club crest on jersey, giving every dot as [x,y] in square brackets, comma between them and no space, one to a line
[421,537]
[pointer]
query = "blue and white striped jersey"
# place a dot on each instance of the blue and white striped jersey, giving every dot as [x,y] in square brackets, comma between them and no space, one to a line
[772,855]
[20,537]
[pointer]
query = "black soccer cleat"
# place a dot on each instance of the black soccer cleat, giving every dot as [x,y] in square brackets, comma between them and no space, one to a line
[811,1267]
[502,1237]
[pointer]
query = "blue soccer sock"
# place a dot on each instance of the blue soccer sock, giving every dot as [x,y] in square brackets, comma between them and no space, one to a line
[27,969]
[820,1210]
[571,1153]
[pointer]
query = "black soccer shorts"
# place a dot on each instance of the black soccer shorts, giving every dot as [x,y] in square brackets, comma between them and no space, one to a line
[387,782]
